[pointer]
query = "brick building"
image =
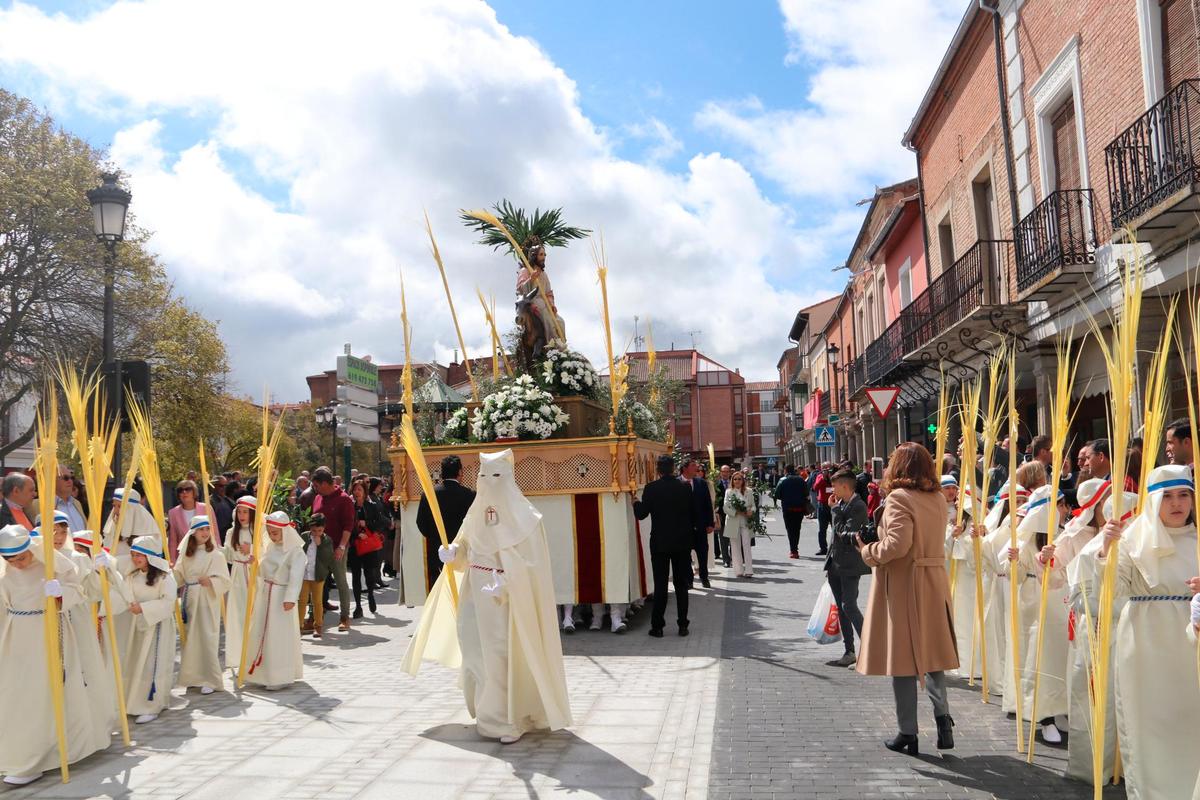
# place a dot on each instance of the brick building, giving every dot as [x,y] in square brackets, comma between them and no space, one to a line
[712,407]
[763,420]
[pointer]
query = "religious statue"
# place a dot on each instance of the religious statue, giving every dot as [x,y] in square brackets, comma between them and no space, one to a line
[537,315]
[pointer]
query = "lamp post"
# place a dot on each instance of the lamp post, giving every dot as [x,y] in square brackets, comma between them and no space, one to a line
[831,355]
[327,418]
[109,206]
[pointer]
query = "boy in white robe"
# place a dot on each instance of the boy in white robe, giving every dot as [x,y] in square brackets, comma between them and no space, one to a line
[201,570]
[1158,702]
[28,737]
[508,642]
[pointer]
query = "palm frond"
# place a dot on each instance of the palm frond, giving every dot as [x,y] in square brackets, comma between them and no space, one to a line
[547,226]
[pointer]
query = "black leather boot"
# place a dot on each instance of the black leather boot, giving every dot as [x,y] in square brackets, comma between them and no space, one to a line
[903,743]
[945,728]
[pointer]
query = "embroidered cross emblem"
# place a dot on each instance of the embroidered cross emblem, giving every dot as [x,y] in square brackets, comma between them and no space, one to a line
[490,517]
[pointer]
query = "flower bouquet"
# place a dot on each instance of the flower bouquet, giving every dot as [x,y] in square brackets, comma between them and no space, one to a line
[757,526]
[458,427]
[567,373]
[521,410]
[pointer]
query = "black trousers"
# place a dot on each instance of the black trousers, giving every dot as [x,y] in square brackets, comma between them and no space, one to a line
[679,565]
[845,594]
[364,573]
[791,522]
[700,545]
[824,520]
[721,544]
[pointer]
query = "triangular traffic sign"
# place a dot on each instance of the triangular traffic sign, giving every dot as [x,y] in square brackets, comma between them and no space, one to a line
[883,398]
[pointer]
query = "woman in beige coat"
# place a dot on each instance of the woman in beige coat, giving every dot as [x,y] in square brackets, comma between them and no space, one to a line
[909,629]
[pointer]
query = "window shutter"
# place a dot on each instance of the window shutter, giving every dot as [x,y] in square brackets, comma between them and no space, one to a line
[1066,147]
[1179,42]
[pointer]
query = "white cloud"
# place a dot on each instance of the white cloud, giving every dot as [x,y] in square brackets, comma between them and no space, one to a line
[368,114]
[869,63]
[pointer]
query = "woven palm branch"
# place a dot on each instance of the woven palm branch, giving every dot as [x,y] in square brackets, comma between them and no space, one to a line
[547,226]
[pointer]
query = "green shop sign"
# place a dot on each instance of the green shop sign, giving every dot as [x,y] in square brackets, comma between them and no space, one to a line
[356,372]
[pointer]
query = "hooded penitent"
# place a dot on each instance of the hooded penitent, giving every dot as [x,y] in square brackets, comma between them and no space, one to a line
[508,642]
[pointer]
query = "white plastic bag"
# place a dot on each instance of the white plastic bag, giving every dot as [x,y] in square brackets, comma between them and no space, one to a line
[823,625]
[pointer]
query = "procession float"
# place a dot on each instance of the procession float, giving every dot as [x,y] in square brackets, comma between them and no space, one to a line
[584,444]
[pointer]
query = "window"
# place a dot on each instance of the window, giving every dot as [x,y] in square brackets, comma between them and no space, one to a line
[683,405]
[945,243]
[905,280]
[1066,146]
[1178,42]
[866,331]
[880,307]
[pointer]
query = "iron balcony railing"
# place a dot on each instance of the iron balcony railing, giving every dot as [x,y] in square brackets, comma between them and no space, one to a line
[971,282]
[1059,232]
[1156,156]
[856,375]
[885,353]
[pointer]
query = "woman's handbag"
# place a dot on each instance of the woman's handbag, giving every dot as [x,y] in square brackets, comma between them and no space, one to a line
[823,625]
[367,543]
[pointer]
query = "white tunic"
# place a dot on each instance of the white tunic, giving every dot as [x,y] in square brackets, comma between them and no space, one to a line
[82,625]
[148,662]
[274,658]
[235,601]
[1158,699]
[960,555]
[28,739]
[200,661]
[1052,692]
[996,616]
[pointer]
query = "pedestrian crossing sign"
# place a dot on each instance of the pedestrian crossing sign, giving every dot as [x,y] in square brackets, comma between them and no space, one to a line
[826,436]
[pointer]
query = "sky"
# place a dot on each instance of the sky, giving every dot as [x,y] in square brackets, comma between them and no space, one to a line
[284,153]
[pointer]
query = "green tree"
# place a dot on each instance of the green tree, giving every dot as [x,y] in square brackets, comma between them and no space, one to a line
[52,282]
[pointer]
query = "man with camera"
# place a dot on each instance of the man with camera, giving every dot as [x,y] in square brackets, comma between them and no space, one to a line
[844,566]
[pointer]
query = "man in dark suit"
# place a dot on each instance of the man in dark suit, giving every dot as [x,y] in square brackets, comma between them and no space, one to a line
[702,499]
[669,504]
[19,493]
[454,500]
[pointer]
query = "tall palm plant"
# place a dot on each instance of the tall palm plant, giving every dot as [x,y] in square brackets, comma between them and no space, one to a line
[541,227]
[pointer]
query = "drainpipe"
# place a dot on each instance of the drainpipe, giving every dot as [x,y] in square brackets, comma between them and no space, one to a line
[998,36]
[924,221]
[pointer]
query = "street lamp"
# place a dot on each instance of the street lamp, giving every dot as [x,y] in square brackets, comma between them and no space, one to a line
[109,206]
[327,418]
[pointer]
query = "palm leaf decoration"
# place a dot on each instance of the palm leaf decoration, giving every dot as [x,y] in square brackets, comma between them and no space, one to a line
[544,227]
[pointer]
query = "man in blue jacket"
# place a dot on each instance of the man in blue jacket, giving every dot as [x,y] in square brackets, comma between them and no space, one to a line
[705,524]
[793,494]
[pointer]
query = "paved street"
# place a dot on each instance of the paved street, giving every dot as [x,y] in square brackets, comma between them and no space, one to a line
[743,708]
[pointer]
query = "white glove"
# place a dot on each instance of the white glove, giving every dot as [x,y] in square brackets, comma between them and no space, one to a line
[103,559]
[52,588]
[447,554]
[1196,610]
[496,588]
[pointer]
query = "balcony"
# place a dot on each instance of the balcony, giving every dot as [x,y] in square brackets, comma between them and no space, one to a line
[1152,169]
[856,375]
[964,302]
[884,355]
[1056,245]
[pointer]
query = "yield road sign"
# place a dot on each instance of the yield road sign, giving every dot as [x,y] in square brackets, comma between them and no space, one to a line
[825,437]
[883,398]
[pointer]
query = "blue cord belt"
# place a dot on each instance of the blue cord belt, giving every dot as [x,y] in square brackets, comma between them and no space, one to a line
[1177,598]
[16,612]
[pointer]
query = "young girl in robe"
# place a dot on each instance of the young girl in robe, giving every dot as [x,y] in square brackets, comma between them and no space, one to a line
[239,553]
[117,597]
[1030,559]
[201,570]
[995,588]
[28,737]
[274,658]
[148,661]
[1155,664]
[960,562]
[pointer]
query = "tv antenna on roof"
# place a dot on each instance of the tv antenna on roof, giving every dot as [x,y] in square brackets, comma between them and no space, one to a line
[694,334]
[639,341]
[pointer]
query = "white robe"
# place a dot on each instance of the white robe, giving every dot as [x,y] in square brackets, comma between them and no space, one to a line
[996,617]
[960,557]
[1078,550]
[84,629]
[235,601]
[274,658]
[148,662]
[28,738]
[200,662]
[1052,692]
[138,521]
[1158,699]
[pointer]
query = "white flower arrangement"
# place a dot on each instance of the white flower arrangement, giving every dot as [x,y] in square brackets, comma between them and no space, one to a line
[458,427]
[521,410]
[644,423]
[567,373]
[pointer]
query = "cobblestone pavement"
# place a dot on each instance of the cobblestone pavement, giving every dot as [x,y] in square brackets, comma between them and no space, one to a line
[745,707]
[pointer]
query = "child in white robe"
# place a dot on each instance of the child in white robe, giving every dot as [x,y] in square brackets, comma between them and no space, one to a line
[960,563]
[117,597]
[28,736]
[239,554]
[274,659]
[201,570]
[121,533]
[148,660]
[1032,558]
[996,588]
[1158,701]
